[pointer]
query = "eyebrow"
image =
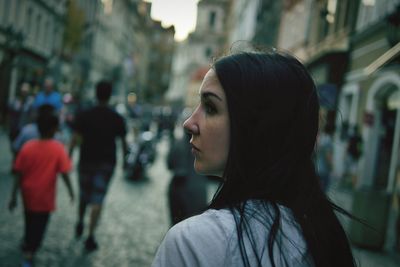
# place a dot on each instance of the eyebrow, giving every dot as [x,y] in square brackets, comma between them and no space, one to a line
[209,94]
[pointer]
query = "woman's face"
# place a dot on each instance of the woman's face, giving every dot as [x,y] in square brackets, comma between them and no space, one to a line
[209,126]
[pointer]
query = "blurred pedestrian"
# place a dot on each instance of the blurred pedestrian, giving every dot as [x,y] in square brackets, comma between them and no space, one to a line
[20,110]
[31,130]
[354,150]
[48,96]
[187,192]
[36,168]
[96,130]
[397,199]
[256,127]
[324,156]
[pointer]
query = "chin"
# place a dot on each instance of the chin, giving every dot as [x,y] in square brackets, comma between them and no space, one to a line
[203,170]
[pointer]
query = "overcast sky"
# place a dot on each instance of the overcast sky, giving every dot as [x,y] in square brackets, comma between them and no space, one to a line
[180,13]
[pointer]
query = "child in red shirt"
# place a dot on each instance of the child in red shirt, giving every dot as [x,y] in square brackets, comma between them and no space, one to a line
[36,168]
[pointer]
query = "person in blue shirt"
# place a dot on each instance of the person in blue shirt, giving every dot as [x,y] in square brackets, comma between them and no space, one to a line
[48,96]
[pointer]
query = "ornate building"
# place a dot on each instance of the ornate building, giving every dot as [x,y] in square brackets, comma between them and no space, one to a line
[31,33]
[197,51]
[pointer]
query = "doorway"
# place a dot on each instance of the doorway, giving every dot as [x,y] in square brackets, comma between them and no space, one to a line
[385,144]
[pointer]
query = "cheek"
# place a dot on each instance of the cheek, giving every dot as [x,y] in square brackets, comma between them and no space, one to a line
[218,144]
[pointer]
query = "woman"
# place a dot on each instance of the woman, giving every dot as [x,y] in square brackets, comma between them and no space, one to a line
[187,191]
[256,127]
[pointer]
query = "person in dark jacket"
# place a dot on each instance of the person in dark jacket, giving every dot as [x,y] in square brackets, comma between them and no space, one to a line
[96,130]
[187,192]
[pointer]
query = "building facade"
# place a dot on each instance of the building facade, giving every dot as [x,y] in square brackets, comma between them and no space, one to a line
[106,47]
[196,53]
[352,51]
[31,34]
[268,19]
[371,92]
[241,22]
[162,47]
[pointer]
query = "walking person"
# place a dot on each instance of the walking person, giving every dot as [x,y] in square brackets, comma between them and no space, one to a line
[187,191]
[36,168]
[48,96]
[354,151]
[97,130]
[19,111]
[256,127]
[324,156]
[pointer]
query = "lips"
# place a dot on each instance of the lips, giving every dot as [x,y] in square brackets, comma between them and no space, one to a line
[194,147]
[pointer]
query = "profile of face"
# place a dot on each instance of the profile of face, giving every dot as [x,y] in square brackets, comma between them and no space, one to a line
[209,127]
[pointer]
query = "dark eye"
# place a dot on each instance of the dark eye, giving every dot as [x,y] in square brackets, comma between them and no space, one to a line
[210,108]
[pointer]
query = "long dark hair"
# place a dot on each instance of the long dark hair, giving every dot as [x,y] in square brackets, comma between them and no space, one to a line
[273,111]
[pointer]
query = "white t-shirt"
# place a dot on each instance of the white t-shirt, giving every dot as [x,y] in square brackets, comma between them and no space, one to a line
[210,239]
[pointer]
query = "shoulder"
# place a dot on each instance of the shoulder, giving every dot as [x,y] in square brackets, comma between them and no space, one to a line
[83,115]
[40,94]
[29,145]
[202,240]
[56,144]
[84,112]
[210,223]
[116,114]
[56,94]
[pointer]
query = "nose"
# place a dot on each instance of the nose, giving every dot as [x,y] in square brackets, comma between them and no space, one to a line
[191,126]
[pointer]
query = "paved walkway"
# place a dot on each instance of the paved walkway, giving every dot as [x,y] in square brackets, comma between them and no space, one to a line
[364,257]
[134,222]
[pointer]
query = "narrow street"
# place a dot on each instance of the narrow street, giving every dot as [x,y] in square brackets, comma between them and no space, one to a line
[134,222]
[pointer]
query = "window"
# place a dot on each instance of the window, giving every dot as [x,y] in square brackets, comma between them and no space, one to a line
[107,6]
[331,11]
[345,14]
[5,11]
[38,32]
[208,52]
[56,38]
[28,22]
[212,18]
[327,18]
[348,12]
[46,35]
[17,8]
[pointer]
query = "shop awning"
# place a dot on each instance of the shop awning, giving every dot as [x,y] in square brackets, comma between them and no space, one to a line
[382,60]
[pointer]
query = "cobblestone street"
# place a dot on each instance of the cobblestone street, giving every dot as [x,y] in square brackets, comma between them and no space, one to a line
[134,222]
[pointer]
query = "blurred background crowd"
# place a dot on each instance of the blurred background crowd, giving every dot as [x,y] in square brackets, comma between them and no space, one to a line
[156,54]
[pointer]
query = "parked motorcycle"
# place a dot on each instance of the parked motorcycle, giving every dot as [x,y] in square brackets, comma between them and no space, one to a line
[141,154]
